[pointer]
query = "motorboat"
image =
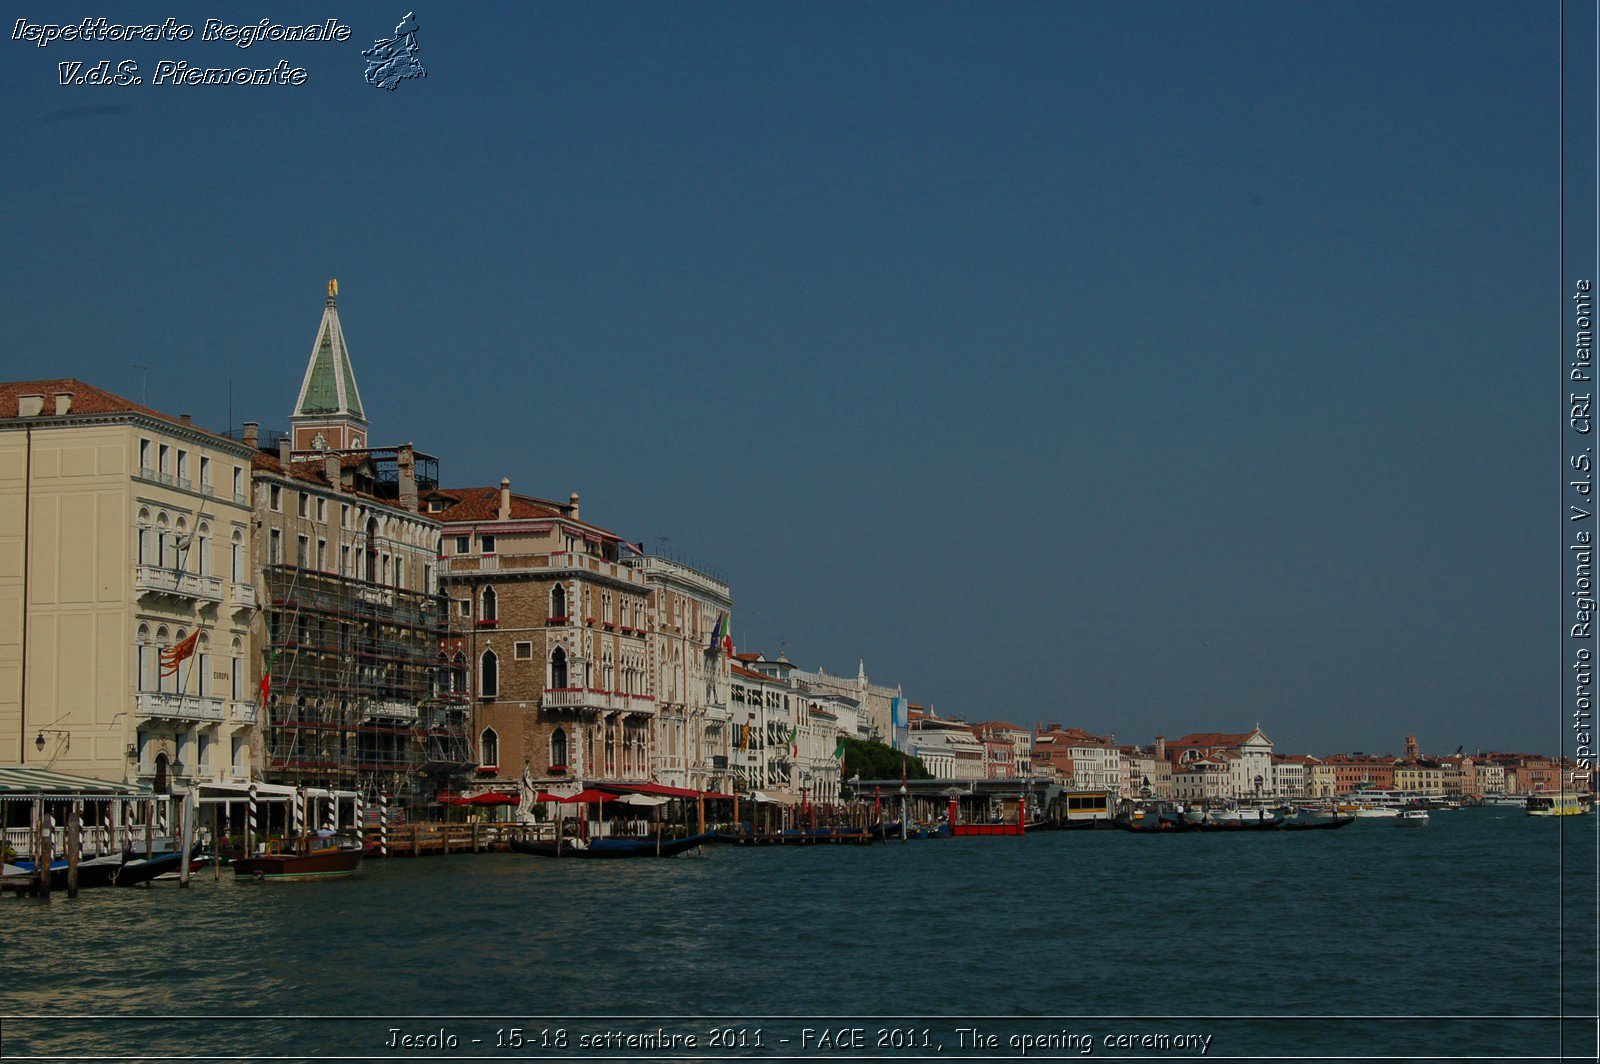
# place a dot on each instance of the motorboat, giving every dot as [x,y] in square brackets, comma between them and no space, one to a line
[321,855]
[1411,818]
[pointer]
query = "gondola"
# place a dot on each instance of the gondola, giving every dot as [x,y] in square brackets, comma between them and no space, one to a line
[112,870]
[1150,822]
[1307,821]
[608,848]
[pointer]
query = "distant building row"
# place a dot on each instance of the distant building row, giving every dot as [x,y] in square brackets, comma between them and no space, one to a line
[309,608]
[1215,765]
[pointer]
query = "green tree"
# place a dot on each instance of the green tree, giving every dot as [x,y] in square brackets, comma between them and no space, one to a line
[877,761]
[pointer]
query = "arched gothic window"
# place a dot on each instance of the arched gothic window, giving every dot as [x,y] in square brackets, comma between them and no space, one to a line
[489,675]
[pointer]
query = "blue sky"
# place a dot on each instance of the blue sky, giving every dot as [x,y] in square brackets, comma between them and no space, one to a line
[1149,368]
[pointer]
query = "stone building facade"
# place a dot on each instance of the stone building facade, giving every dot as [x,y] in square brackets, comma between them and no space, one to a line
[555,651]
[123,532]
[689,614]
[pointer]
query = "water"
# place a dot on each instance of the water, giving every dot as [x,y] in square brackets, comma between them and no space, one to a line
[1173,934]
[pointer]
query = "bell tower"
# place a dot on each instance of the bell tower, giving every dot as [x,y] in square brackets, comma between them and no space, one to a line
[328,416]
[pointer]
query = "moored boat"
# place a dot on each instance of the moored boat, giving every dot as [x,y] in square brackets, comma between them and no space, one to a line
[143,870]
[607,848]
[1316,820]
[1154,820]
[1411,818]
[1256,819]
[324,855]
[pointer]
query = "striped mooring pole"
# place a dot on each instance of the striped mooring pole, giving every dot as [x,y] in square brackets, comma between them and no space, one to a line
[331,821]
[299,810]
[250,825]
[360,814]
[383,824]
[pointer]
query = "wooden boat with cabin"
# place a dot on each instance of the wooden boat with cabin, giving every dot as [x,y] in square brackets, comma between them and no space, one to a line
[324,855]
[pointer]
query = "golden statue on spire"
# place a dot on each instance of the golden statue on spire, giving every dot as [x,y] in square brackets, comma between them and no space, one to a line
[333,287]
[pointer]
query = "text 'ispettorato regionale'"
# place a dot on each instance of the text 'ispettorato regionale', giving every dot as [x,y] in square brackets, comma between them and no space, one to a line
[177,71]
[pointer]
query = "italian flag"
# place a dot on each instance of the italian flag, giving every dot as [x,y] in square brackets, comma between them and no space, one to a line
[266,675]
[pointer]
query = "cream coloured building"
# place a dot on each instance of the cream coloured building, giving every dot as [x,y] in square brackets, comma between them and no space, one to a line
[874,700]
[688,620]
[123,531]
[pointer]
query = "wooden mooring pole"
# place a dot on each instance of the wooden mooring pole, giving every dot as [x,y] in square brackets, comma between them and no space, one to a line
[74,846]
[45,855]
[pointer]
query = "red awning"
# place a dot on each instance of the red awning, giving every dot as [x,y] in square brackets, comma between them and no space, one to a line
[662,790]
[590,795]
[494,798]
[452,799]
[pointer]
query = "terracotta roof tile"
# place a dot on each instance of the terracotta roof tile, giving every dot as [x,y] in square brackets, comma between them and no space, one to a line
[86,399]
[1211,739]
[483,504]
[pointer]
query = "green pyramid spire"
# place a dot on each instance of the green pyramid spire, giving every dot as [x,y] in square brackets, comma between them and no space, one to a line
[329,407]
[329,388]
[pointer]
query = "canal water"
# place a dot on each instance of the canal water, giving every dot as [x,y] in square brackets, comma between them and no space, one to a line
[1464,938]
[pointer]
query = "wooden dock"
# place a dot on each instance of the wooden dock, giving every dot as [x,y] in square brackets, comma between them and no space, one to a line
[427,840]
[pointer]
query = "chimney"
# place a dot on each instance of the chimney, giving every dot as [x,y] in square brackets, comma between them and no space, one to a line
[63,403]
[181,417]
[330,469]
[30,405]
[406,462]
[283,452]
[1161,748]
[505,500]
[574,501]
[252,434]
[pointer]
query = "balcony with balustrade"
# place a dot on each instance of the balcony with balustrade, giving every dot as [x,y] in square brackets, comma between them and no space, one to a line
[577,700]
[243,712]
[242,596]
[164,705]
[390,709]
[159,580]
[556,563]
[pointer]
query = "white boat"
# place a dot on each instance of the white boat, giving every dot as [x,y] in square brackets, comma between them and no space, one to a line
[1371,812]
[1503,799]
[1411,818]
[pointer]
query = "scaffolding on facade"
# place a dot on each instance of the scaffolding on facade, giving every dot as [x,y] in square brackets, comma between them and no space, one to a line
[354,699]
